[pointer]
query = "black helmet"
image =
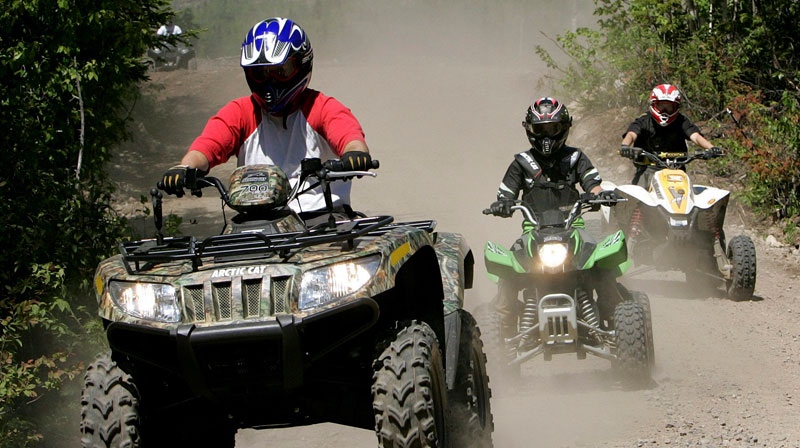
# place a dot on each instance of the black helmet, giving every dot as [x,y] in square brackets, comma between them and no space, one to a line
[547,124]
[277,60]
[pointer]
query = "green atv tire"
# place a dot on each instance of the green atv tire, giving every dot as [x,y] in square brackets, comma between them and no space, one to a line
[643,300]
[630,331]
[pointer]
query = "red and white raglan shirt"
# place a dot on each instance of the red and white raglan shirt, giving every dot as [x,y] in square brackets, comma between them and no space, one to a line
[320,128]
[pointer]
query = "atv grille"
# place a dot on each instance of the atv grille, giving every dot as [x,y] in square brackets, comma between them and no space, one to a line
[194,303]
[280,293]
[252,297]
[223,300]
[236,298]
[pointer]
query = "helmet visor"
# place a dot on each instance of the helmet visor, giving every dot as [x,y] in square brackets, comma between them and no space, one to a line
[265,73]
[666,107]
[552,129]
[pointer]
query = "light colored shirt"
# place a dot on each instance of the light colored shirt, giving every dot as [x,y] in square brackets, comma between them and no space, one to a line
[320,128]
[166,30]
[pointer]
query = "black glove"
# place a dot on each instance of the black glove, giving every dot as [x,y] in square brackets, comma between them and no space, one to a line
[608,196]
[716,151]
[626,151]
[174,180]
[502,208]
[356,161]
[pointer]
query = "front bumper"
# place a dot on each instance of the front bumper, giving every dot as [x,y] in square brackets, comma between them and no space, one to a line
[245,357]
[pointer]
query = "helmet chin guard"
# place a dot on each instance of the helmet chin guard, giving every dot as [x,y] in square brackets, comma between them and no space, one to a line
[664,103]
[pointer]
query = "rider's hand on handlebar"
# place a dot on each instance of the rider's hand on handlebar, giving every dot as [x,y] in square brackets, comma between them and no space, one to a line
[356,161]
[629,152]
[610,197]
[713,152]
[174,180]
[502,208]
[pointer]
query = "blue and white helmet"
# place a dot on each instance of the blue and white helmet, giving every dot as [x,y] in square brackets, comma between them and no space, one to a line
[277,60]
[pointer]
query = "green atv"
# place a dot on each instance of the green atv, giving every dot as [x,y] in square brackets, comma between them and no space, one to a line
[274,323]
[555,265]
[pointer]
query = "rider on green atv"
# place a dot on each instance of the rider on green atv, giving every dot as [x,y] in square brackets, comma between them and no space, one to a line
[546,174]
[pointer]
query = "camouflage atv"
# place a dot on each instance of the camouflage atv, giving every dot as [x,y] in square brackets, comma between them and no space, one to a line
[274,323]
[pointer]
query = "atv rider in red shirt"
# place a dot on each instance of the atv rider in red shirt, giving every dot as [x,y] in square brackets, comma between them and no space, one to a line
[281,122]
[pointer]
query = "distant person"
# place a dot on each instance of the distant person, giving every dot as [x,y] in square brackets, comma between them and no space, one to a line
[547,175]
[664,129]
[282,122]
[169,29]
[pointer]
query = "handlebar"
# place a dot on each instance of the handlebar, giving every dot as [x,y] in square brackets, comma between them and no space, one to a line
[587,201]
[522,208]
[333,169]
[673,159]
[324,172]
[337,165]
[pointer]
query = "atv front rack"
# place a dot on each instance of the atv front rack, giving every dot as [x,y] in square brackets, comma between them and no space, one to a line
[141,254]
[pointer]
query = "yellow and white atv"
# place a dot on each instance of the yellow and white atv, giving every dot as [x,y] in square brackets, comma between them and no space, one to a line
[677,225]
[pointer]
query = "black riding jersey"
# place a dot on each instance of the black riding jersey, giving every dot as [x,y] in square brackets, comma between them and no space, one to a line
[548,183]
[654,138]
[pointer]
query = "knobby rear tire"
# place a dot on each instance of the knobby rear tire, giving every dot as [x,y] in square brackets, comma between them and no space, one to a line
[410,392]
[471,412]
[630,329]
[742,257]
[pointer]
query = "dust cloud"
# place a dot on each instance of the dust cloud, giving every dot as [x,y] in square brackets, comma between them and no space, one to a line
[441,90]
[441,94]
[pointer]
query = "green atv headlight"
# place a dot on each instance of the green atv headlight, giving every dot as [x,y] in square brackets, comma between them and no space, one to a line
[553,254]
[328,284]
[151,301]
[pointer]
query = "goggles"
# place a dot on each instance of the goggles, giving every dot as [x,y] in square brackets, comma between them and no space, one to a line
[265,73]
[665,107]
[552,129]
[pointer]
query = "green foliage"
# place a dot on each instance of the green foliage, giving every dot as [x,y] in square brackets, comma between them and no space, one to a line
[729,58]
[25,371]
[770,154]
[70,70]
[172,222]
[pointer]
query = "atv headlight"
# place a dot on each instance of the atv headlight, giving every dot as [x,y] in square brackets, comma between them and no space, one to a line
[553,254]
[151,301]
[328,284]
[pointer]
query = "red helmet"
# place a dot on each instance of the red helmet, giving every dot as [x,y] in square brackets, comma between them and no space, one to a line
[665,100]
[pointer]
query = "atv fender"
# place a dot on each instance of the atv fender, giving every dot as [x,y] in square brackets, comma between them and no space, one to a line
[611,253]
[707,197]
[637,193]
[429,286]
[500,262]
[456,266]
[452,336]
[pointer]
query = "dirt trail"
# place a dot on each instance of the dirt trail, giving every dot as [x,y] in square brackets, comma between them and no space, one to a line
[727,373]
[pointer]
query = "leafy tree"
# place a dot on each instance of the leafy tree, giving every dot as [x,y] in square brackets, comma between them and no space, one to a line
[70,70]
